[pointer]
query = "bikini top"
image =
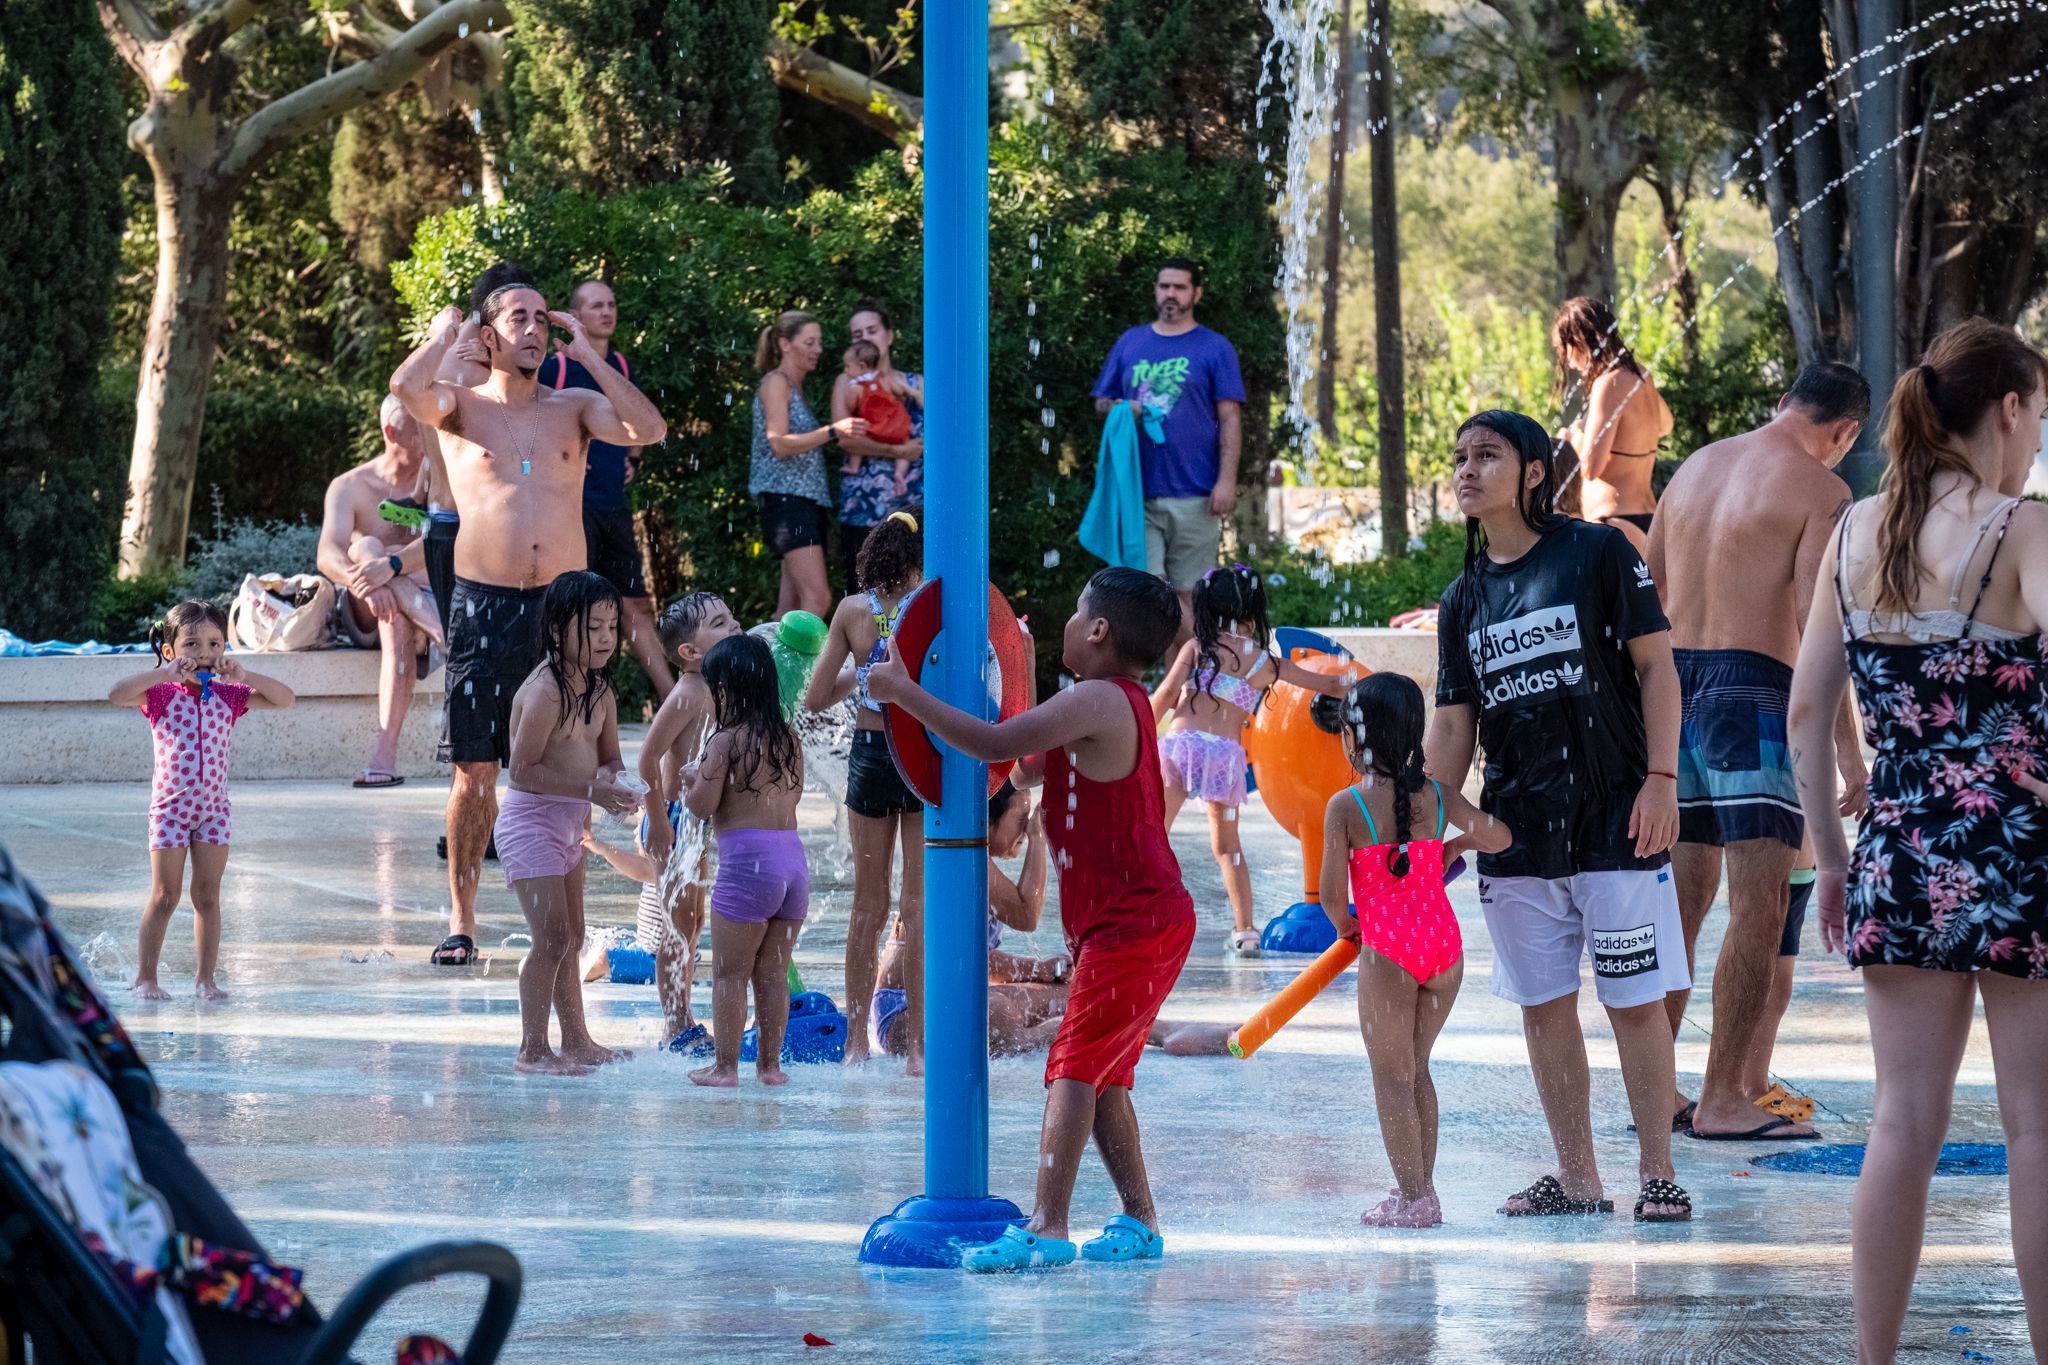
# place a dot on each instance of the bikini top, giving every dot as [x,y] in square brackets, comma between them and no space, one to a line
[885,623]
[1228,688]
[1931,627]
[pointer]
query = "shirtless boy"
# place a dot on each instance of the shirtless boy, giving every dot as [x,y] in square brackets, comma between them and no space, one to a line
[514,456]
[688,629]
[1737,543]
[380,566]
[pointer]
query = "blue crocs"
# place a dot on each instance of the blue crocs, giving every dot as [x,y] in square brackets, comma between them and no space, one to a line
[1017,1249]
[1124,1238]
[694,1041]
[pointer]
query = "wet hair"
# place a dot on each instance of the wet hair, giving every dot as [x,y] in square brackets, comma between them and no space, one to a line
[163,635]
[1223,598]
[1383,713]
[565,611]
[1142,610]
[501,299]
[1589,324]
[768,349]
[893,551]
[746,697]
[498,275]
[865,354]
[870,306]
[1532,446]
[680,619]
[1000,801]
[1828,391]
[1187,263]
[1968,371]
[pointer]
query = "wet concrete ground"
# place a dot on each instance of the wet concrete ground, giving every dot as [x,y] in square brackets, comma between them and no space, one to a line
[350,1109]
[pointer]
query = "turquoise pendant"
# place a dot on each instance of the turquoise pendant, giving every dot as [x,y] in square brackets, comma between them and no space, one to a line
[526,466]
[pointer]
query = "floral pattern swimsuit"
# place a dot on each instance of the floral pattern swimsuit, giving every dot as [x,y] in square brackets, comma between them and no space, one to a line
[188,798]
[1950,870]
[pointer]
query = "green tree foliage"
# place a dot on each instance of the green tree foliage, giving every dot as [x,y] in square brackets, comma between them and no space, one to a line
[615,94]
[60,220]
[697,276]
[393,164]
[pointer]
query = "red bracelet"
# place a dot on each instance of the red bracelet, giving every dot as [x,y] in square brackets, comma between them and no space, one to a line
[1654,773]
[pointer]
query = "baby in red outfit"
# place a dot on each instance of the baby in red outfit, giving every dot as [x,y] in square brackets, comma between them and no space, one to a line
[1128,918]
[888,420]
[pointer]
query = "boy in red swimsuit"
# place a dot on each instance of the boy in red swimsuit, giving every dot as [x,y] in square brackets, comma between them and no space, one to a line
[1128,918]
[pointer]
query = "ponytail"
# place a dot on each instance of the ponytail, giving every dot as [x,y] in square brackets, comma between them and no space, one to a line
[163,633]
[768,348]
[1969,370]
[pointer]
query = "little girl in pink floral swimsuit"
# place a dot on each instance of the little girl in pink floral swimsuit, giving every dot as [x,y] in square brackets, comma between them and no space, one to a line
[1216,680]
[192,700]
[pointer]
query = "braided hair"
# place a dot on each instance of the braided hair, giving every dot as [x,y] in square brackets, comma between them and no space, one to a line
[1382,713]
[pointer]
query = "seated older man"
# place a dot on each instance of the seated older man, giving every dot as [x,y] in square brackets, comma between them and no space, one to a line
[380,568]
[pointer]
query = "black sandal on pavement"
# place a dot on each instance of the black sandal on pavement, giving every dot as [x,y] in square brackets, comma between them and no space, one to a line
[1663,1192]
[1547,1199]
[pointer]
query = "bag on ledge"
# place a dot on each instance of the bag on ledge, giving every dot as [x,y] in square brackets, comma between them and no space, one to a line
[276,614]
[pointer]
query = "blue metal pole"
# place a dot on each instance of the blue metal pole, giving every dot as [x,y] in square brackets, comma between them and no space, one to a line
[928,1230]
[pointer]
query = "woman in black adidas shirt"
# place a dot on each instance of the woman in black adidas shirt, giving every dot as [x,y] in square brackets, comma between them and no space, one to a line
[1554,657]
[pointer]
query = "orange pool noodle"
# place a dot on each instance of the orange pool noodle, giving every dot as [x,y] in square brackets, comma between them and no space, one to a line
[1274,1014]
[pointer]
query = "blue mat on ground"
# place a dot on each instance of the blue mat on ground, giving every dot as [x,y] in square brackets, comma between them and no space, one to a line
[1846,1158]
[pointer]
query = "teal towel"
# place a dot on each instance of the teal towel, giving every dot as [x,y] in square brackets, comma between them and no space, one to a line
[1113,528]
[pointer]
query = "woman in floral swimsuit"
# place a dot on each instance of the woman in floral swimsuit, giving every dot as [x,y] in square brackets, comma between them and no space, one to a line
[1932,601]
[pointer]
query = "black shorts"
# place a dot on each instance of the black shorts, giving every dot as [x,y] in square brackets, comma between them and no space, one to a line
[439,550]
[873,786]
[1795,919]
[851,538]
[789,522]
[493,643]
[612,550]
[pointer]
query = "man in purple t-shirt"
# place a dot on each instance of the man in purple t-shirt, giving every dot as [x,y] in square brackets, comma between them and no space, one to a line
[1184,379]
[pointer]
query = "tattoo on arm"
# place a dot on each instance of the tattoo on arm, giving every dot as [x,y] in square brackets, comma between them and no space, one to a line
[1841,508]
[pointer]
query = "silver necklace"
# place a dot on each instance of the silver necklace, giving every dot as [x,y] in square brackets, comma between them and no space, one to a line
[524,450]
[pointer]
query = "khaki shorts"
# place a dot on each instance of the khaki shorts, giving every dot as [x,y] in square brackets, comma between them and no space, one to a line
[1182,538]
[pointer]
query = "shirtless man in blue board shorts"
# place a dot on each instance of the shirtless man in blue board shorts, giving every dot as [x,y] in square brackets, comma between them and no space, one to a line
[1737,544]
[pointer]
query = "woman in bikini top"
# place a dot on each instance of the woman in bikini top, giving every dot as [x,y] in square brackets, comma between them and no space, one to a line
[1625,418]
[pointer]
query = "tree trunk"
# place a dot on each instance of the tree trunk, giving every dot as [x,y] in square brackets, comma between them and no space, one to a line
[1800,308]
[1685,284]
[1594,158]
[1386,283]
[177,364]
[1333,234]
[1819,230]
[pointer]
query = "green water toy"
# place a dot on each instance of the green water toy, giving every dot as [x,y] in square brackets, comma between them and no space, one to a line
[410,515]
[796,983]
[798,641]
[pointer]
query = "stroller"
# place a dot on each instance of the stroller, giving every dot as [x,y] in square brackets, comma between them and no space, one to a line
[213,1297]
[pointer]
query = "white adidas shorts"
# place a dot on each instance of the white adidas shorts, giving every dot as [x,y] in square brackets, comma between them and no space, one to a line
[1628,921]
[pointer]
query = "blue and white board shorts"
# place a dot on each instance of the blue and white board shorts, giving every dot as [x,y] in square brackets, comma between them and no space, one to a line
[1734,769]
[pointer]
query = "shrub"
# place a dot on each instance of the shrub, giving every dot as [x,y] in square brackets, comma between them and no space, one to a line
[214,571]
[1074,231]
[1310,591]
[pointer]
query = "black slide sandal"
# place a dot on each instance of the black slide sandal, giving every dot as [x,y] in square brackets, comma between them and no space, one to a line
[1547,1199]
[456,950]
[1663,1192]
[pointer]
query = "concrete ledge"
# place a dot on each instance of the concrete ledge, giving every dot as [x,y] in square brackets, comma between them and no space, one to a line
[57,726]
[1412,652]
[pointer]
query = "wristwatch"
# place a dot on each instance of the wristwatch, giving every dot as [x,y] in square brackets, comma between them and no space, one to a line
[397,565]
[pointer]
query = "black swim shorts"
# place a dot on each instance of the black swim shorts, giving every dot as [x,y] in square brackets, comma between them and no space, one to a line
[790,522]
[493,643]
[439,552]
[613,550]
[873,786]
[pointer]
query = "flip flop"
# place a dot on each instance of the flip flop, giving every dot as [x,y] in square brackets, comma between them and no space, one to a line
[378,777]
[1786,1105]
[1017,1249]
[1124,1238]
[456,950]
[1766,1133]
[1681,1120]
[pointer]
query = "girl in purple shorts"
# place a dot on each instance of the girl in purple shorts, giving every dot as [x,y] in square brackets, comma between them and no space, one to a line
[748,785]
[1216,680]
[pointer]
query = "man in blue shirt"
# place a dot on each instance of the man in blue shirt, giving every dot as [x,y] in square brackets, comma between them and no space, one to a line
[1184,378]
[610,543]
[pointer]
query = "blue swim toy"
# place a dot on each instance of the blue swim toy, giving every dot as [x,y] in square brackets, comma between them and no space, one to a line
[631,965]
[816,1033]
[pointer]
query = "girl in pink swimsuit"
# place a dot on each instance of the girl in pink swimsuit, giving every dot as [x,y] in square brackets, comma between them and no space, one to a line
[1215,682]
[192,699]
[1411,955]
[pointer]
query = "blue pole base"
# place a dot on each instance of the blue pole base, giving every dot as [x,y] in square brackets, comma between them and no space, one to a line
[931,1232]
